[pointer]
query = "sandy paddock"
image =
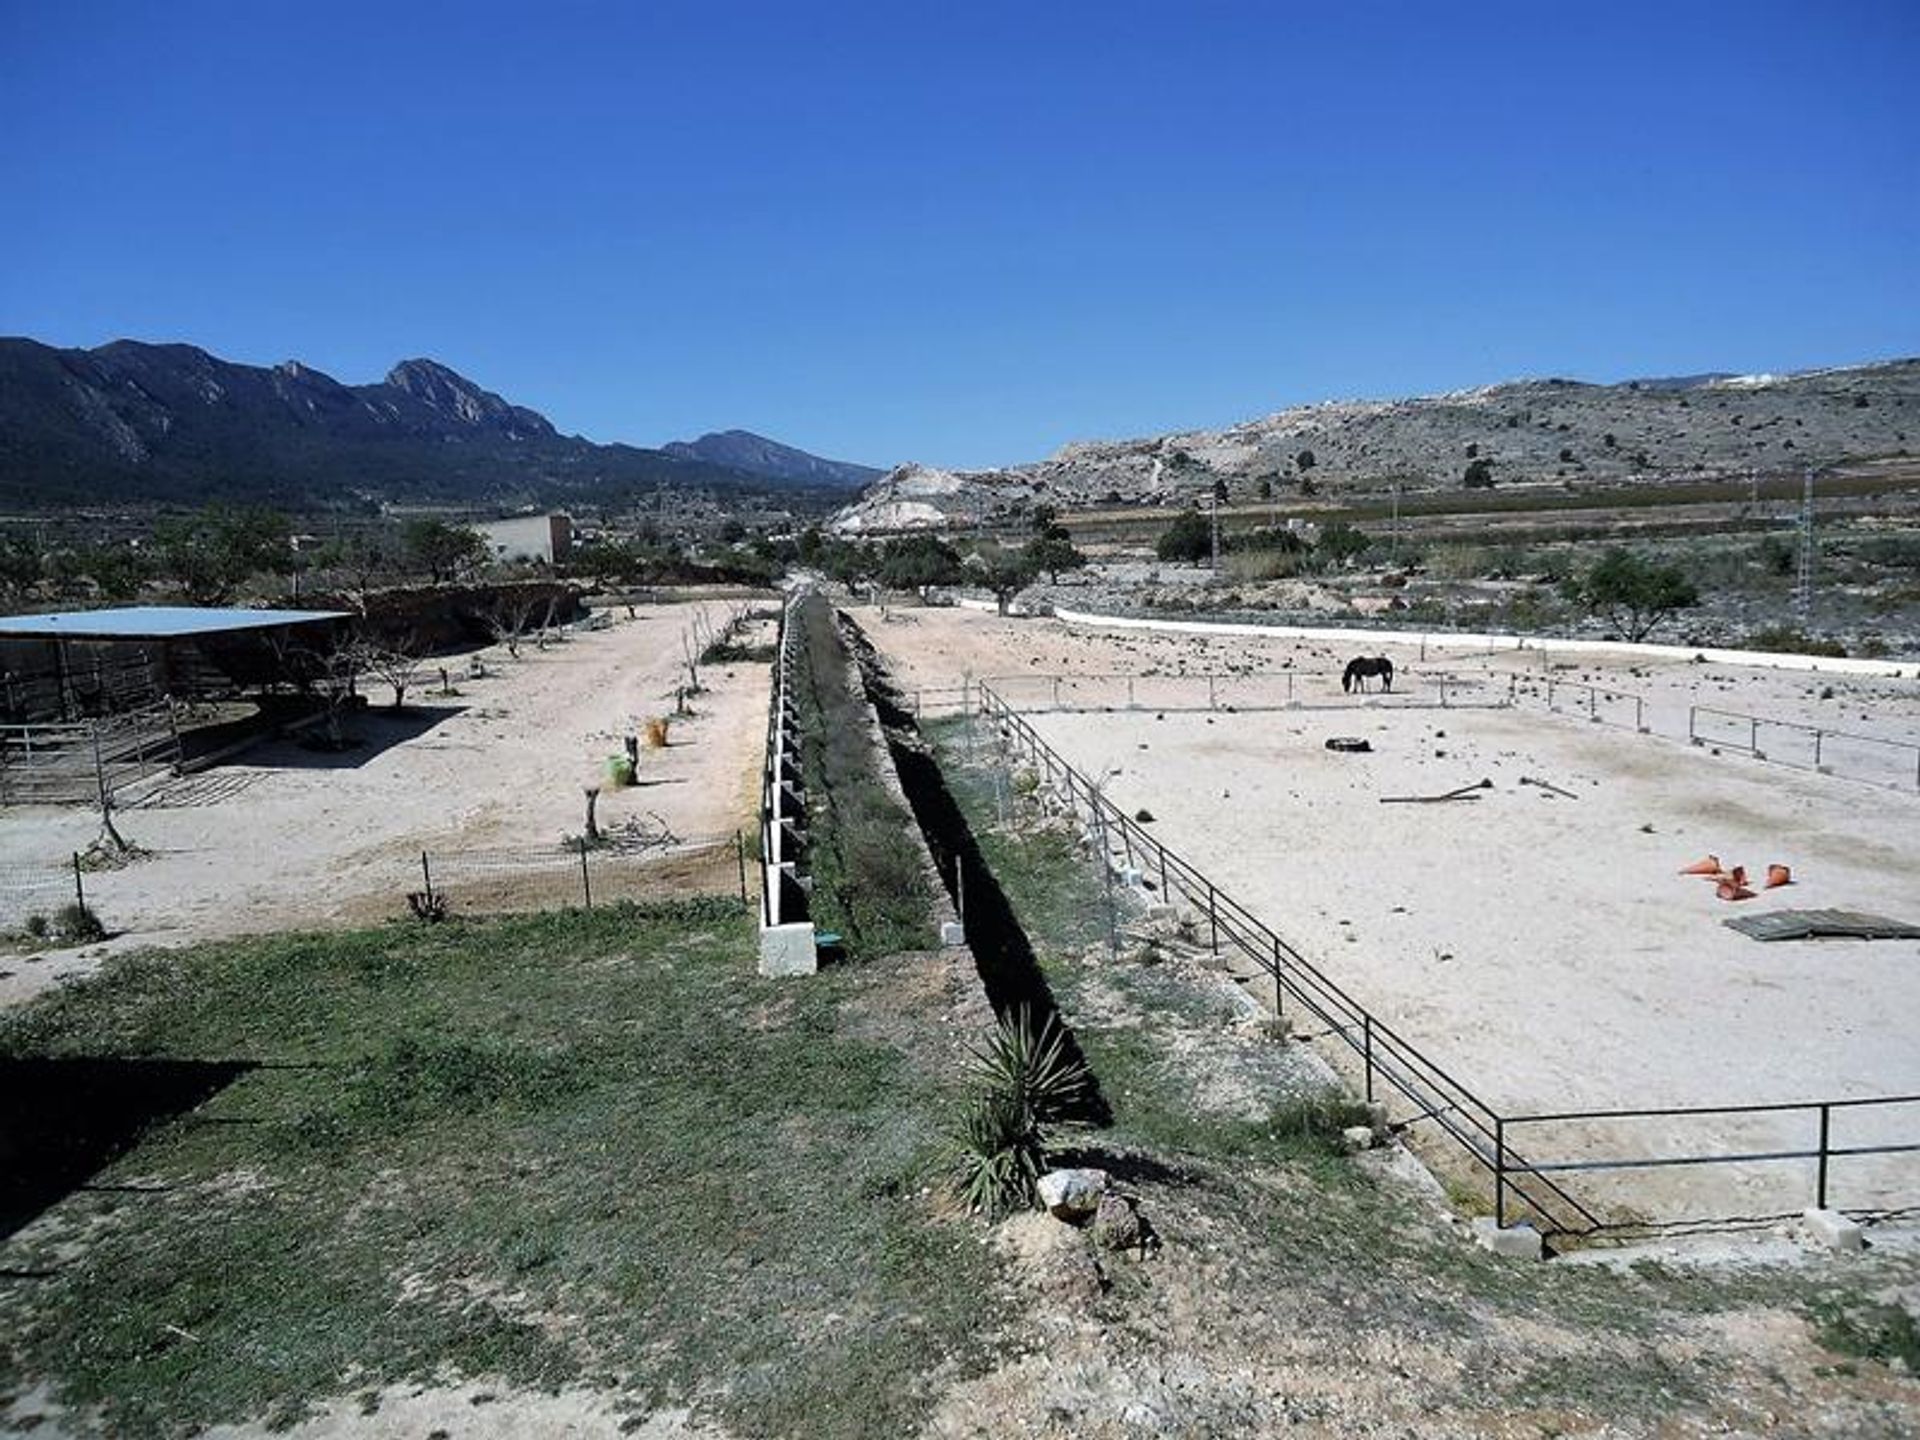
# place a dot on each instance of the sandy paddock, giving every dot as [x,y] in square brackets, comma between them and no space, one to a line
[285,837]
[1543,949]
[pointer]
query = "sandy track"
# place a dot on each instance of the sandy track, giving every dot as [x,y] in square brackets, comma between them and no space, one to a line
[1542,948]
[288,838]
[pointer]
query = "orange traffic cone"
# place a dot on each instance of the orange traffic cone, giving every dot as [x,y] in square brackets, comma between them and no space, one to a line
[1709,866]
[1778,875]
[1731,889]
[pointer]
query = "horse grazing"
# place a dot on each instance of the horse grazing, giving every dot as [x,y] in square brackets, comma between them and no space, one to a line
[1362,670]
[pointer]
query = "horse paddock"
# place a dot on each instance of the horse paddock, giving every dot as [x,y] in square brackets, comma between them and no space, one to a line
[1538,940]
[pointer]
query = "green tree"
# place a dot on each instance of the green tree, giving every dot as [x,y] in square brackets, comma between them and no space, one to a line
[211,554]
[20,566]
[1052,553]
[445,552]
[1633,594]
[917,560]
[1340,542]
[1304,460]
[1005,572]
[1479,474]
[1189,537]
[1265,488]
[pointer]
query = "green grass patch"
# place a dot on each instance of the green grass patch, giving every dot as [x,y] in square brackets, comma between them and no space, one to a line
[582,1147]
[870,885]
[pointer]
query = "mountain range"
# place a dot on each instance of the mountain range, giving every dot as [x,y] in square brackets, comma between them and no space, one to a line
[1551,433]
[140,424]
[743,450]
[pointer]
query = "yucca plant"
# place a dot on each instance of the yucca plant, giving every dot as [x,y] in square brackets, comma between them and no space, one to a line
[1034,1065]
[1024,1080]
[998,1155]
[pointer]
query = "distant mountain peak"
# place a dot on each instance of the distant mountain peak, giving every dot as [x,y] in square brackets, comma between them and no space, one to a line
[451,393]
[757,455]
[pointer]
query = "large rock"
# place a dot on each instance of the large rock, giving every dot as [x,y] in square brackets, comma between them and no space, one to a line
[1116,1224]
[1072,1194]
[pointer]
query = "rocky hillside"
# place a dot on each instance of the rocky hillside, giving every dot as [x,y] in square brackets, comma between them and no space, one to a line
[130,423]
[1560,433]
[757,455]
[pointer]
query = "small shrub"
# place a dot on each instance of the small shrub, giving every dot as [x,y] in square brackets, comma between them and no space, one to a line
[431,909]
[38,927]
[77,924]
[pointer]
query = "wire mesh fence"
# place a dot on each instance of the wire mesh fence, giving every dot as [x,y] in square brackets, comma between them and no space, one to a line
[42,891]
[503,880]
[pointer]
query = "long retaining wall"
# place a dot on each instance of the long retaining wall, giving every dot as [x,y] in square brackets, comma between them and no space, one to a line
[788,945]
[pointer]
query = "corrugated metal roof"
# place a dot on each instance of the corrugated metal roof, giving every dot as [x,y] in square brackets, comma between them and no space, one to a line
[154,622]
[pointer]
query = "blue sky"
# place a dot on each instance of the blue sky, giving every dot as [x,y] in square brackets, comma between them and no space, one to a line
[965,234]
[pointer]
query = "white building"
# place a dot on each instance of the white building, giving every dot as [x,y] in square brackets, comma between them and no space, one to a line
[545,538]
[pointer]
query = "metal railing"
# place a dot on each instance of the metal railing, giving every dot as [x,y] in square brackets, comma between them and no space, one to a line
[1387,1059]
[1818,748]
[1209,691]
[1821,1149]
[1391,1064]
[75,762]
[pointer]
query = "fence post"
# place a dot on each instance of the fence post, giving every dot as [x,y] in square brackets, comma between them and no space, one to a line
[1820,1189]
[1056,692]
[1817,736]
[586,884]
[1210,703]
[1753,734]
[1366,1049]
[1213,921]
[1593,705]
[1692,737]
[1499,1172]
[740,854]
[1163,869]
[1640,714]
[79,885]
[1279,982]
[426,874]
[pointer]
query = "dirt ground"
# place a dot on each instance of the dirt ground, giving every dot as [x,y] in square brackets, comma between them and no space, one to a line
[1542,948]
[286,837]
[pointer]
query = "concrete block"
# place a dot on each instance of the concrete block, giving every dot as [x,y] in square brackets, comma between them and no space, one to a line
[1516,1242]
[952,933]
[1835,1231]
[1161,910]
[1356,1138]
[1129,877]
[789,949]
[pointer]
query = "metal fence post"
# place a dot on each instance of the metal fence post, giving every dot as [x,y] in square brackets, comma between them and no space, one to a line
[1817,736]
[740,854]
[1820,1189]
[79,884]
[1499,1172]
[1366,1049]
[426,874]
[586,884]
[1753,734]
[1279,982]
[1213,921]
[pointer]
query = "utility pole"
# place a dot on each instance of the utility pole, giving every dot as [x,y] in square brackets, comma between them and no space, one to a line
[1803,582]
